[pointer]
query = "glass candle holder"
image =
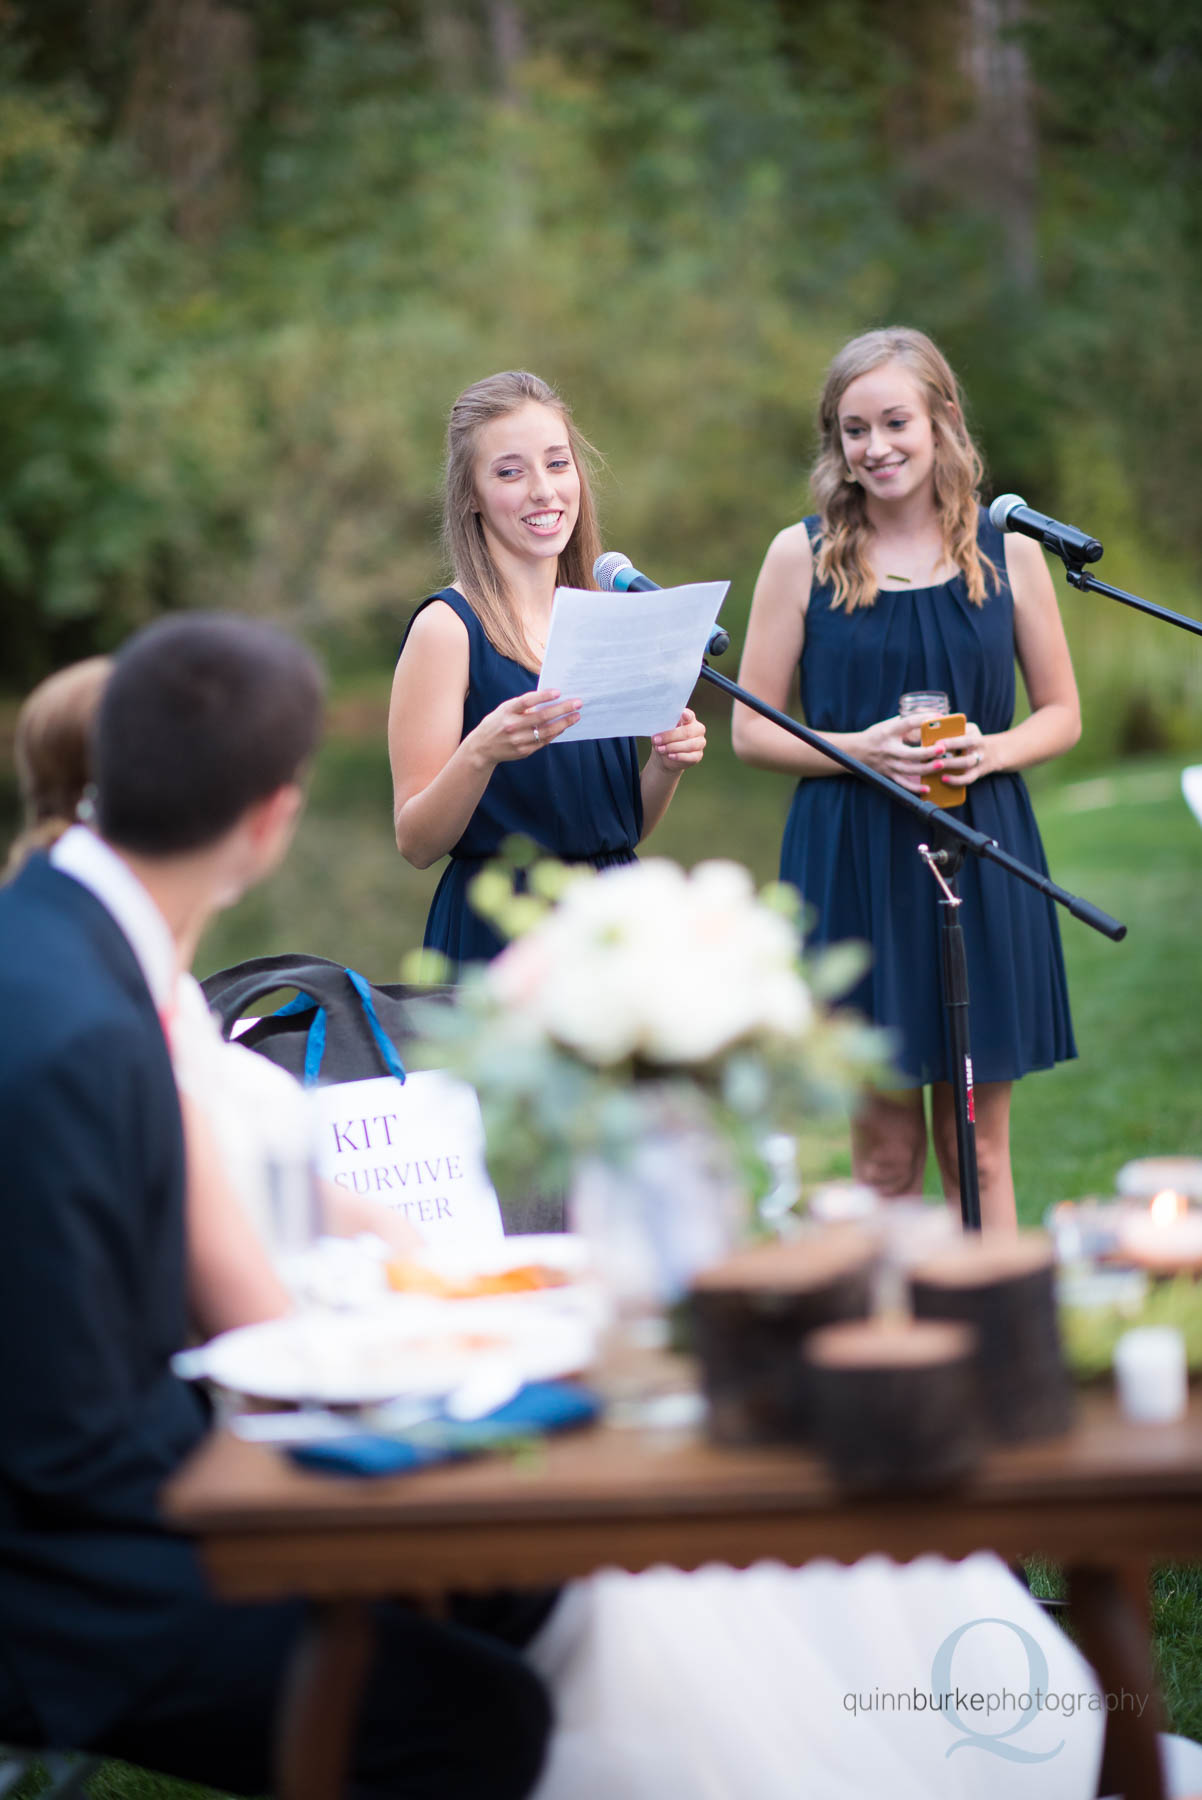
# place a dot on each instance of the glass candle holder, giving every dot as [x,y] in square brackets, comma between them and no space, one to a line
[1086,1230]
[1164,1237]
[1148,1176]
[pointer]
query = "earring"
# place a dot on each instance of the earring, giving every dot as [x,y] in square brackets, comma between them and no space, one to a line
[849,478]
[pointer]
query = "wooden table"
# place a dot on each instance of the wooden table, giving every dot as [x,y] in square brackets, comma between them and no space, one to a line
[1106,1500]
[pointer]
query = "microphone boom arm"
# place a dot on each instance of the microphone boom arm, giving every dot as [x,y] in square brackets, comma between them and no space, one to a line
[1010,512]
[937,816]
[1080,578]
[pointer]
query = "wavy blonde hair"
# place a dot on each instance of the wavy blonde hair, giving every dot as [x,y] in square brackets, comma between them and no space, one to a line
[52,748]
[463,537]
[843,548]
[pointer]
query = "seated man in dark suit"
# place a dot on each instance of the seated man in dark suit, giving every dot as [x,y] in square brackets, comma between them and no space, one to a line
[108,1637]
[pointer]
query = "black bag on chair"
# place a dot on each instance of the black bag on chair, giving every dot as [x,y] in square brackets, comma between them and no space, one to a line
[340,1027]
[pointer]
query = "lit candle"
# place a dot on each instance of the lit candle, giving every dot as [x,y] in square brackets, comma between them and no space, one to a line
[1164,1237]
[1150,1372]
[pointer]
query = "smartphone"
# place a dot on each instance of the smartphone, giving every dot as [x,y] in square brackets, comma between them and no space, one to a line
[953,725]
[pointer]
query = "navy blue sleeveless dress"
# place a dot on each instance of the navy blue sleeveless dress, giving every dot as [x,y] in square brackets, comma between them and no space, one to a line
[581,802]
[852,852]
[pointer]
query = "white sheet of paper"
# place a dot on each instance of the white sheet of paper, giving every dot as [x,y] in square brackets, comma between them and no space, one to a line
[632,659]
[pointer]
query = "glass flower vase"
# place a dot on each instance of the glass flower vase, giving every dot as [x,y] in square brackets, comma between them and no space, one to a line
[653,1217]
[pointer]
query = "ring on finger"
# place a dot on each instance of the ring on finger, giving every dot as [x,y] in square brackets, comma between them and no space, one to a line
[537,738]
[979,758]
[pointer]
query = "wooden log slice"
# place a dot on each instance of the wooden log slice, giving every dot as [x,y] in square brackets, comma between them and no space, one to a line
[1006,1287]
[750,1316]
[896,1403]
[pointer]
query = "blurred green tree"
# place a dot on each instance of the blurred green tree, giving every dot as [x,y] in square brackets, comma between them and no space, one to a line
[83,512]
[250,252]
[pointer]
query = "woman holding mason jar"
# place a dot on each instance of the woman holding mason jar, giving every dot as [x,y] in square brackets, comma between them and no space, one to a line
[900,586]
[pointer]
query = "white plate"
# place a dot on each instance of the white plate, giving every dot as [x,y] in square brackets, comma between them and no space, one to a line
[405,1347]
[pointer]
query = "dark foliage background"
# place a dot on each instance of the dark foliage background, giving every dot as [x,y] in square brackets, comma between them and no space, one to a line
[248,253]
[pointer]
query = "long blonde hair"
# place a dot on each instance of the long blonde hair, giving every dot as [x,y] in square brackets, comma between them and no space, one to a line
[843,549]
[463,537]
[52,749]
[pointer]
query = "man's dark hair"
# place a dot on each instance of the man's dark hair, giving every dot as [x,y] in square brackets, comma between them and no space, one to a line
[204,714]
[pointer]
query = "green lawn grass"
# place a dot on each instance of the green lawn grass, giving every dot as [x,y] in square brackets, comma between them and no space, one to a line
[1128,842]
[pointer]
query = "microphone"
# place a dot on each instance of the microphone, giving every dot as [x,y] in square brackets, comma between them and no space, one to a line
[1010,512]
[616,574]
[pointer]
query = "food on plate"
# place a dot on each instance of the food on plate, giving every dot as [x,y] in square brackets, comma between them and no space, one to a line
[406,1277]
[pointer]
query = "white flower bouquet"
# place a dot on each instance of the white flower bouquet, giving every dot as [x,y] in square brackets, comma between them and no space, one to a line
[641,989]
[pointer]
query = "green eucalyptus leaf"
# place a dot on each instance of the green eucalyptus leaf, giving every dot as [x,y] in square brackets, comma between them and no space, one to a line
[833,971]
[426,968]
[490,893]
[782,897]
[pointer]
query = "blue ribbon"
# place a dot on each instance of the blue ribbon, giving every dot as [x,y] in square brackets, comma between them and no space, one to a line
[315,1043]
[392,1061]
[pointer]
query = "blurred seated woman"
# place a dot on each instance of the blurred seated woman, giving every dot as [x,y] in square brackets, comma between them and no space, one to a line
[51,750]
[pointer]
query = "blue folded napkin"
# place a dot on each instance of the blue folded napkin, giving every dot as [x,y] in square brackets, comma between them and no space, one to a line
[537,1408]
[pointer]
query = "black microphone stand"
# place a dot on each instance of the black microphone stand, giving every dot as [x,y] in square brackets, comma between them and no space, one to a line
[952,842]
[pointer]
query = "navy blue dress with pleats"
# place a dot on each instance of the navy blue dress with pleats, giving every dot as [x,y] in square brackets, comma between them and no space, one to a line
[581,802]
[852,852]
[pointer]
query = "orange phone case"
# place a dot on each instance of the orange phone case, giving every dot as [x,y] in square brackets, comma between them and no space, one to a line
[952,726]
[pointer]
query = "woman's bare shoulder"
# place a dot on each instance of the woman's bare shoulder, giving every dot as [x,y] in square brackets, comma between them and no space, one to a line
[788,569]
[436,626]
[791,548]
